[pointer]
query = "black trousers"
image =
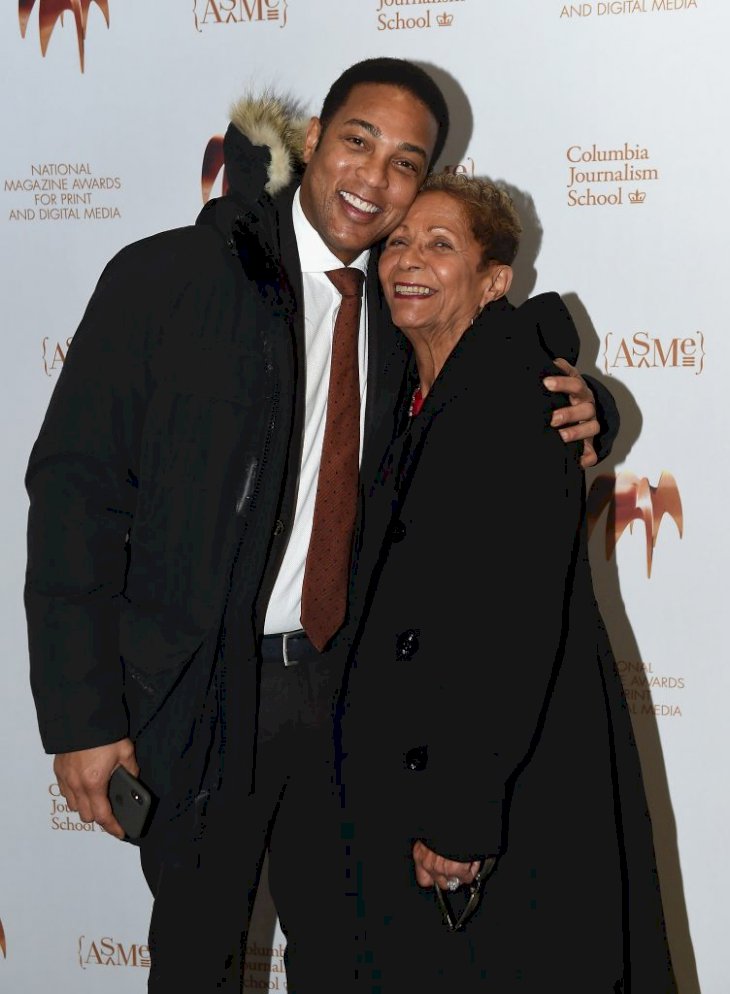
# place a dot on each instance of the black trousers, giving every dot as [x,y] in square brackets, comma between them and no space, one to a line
[202,910]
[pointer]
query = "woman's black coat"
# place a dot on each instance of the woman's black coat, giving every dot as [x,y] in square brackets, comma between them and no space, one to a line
[483,711]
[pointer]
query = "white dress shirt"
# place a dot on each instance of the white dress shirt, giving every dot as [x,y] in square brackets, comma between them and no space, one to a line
[321,304]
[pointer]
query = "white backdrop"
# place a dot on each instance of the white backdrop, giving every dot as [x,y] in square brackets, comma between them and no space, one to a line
[608,122]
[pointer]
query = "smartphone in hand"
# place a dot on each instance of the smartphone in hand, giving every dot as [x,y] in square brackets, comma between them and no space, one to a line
[131,802]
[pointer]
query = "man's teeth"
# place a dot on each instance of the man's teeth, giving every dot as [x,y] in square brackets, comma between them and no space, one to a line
[361,205]
[413,291]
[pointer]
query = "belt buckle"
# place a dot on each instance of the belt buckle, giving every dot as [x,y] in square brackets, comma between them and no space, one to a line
[284,648]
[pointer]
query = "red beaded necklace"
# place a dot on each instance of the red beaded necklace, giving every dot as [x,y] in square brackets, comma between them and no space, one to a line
[416,403]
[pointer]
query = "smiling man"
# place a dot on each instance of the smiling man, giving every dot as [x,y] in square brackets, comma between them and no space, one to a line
[366,163]
[173,489]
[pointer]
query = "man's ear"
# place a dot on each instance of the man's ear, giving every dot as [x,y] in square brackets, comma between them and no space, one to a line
[499,280]
[311,137]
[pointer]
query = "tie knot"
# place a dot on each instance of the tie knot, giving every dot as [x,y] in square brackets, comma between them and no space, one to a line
[348,281]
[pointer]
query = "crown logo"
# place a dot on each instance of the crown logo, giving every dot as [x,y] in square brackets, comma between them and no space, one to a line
[445,20]
[637,197]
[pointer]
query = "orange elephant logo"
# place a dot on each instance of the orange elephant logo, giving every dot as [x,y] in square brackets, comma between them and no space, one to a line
[630,498]
[50,12]
[213,165]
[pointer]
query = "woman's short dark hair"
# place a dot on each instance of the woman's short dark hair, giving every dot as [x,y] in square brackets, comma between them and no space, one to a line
[492,214]
[391,72]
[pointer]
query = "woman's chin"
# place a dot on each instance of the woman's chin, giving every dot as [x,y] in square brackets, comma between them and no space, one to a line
[407,316]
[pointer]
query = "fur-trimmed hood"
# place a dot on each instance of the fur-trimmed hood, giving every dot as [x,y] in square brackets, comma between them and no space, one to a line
[264,143]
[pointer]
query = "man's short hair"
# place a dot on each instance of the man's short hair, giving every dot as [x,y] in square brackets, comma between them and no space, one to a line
[391,72]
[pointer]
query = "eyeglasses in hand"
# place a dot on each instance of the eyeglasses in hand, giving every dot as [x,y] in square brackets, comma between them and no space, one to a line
[455,922]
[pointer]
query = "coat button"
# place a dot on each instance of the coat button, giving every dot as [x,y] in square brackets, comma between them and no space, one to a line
[417,759]
[279,527]
[407,644]
[397,531]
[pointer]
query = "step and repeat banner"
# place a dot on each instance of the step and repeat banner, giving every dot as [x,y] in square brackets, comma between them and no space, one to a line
[607,122]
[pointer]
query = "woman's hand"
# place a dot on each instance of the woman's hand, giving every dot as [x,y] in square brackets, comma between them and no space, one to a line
[578,419]
[434,869]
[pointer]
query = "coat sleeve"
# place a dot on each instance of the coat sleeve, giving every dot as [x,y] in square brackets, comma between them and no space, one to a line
[608,417]
[81,481]
[560,339]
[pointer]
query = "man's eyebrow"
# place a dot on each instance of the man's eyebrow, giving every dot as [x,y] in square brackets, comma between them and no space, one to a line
[375,131]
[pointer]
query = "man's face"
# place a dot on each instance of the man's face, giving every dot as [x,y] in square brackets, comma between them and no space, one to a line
[364,170]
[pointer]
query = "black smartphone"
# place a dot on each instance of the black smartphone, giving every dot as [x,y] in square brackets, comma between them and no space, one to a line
[131,802]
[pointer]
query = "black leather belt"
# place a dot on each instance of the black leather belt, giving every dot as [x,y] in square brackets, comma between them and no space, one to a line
[288,648]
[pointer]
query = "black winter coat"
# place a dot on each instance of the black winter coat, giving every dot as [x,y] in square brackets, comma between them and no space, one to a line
[483,712]
[158,504]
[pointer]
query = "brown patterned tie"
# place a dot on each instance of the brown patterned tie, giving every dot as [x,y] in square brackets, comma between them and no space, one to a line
[327,570]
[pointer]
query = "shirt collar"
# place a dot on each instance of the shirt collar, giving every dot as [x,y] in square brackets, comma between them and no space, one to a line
[314,256]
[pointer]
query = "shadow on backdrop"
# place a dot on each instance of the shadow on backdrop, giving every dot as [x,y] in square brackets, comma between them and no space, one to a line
[461,121]
[631,664]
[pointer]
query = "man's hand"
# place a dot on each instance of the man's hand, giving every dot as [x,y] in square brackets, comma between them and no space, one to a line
[434,869]
[83,777]
[577,420]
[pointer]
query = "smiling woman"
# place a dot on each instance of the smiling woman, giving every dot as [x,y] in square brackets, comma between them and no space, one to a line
[503,772]
[448,259]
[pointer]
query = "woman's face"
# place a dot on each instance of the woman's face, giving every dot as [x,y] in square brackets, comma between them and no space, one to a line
[429,268]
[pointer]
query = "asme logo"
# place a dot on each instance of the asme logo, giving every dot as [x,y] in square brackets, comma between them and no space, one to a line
[210,12]
[642,351]
[51,11]
[54,355]
[108,952]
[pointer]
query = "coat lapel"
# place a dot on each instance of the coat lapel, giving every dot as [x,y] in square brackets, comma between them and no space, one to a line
[292,267]
[388,353]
